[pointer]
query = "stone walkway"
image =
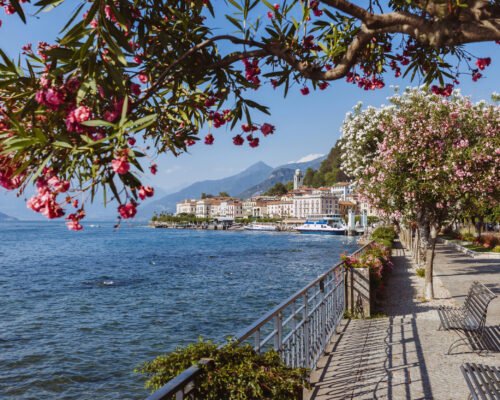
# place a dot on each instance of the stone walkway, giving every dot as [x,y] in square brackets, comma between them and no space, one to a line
[403,356]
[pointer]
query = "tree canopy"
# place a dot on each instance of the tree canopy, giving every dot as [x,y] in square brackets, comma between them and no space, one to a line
[128,80]
[279,189]
[426,159]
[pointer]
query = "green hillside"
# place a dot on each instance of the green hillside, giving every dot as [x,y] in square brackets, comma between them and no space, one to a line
[329,172]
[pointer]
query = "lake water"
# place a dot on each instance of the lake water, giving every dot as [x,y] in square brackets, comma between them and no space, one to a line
[80,310]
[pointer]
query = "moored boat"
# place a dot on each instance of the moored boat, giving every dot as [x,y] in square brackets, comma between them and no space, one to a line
[260,227]
[327,224]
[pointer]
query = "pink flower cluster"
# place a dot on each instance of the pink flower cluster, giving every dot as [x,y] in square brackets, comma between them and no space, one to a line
[252,71]
[45,201]
[127,210]
[367,82]
[7,178]
[75,117]
[445,91]
[121,165]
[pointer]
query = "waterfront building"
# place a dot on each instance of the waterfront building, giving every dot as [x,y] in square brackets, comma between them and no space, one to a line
[186,207]
[342,190]
[248,206]
[230,209]
[203,208]
[315,202]
[282,208]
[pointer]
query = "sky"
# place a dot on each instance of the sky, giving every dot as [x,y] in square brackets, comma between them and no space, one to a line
[305,125]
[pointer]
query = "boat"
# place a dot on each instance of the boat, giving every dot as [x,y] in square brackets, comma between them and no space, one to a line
[326,224]
[260,227]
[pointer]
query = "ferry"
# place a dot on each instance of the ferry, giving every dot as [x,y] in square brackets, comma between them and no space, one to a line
[260,227]
[328,224]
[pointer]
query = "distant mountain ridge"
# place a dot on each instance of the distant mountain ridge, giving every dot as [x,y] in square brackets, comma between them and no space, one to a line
[234,184]
[5,217]
[281,174]
[254,180]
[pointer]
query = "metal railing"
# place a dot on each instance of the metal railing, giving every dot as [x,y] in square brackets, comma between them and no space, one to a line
[299,329]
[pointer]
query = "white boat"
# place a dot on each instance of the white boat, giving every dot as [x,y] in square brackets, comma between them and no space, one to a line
[260,227]
[327,224]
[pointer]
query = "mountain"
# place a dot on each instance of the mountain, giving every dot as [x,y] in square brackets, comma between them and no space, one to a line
[233,185]
[5,217]
[283,174]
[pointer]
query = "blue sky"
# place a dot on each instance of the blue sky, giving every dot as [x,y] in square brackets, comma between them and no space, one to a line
[305,124]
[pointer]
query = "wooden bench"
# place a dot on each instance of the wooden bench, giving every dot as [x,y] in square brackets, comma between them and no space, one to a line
[483,381]
[469,320]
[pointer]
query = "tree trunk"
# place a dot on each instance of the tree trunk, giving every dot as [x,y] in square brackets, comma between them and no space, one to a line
[423,240]
[429,266]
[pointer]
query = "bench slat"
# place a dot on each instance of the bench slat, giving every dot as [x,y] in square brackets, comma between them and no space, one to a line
[483,381]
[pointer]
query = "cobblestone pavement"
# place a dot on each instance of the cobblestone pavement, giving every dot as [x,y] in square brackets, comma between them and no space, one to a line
[403,355]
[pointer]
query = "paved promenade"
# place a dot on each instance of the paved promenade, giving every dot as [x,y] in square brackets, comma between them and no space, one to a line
[403,356]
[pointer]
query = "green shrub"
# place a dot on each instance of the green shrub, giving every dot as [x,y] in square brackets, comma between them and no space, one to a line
[421,272]
[468,237]
[384,235]
[496,249]
[238,372]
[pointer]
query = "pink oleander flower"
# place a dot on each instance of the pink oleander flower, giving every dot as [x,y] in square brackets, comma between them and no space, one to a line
[74,225]
[128,210]
[146,191]
[111,116]
[135,89]
[267,129]
[482,63]
[238,140]
[81,114]
[209,139]
[120,165]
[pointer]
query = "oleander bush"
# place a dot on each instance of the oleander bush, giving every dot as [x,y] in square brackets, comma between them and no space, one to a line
[377,259]
[237,372]
[384,234]
[487,241]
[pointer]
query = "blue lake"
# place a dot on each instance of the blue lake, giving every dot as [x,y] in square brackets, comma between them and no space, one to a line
[80,310]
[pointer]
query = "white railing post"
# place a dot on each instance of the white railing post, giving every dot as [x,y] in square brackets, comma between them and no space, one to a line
[278,327]
[306,332]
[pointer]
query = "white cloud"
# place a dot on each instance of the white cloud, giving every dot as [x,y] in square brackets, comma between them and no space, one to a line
[171,170]
[307,158]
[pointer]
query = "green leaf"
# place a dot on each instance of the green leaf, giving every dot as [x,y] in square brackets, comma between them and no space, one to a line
[123,118]
[19,9]
[98,122]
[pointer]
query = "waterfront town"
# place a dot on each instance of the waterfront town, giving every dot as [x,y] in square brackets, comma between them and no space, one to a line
[137,107]
[297,204]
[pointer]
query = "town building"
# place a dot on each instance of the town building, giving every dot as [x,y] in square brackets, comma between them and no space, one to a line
[315,202]
[186,207]
[230,209]
[342,190]
[283,208]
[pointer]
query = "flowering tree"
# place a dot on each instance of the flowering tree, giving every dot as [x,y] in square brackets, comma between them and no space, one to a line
[434,155]
[128,80]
